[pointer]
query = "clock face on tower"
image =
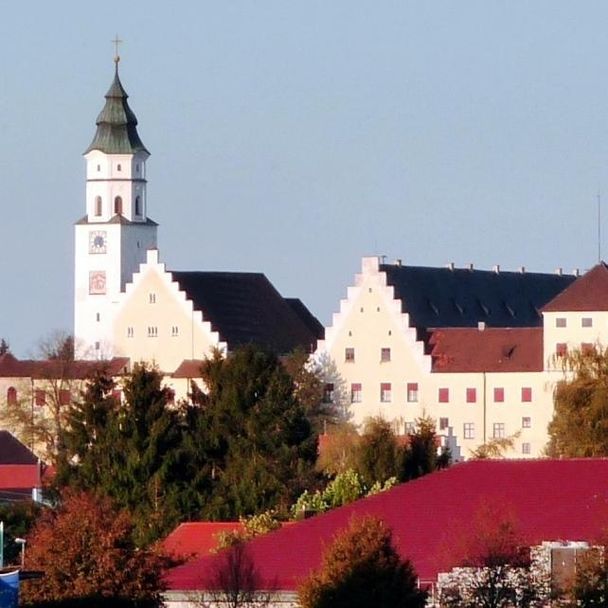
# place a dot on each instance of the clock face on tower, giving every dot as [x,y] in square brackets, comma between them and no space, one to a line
[97,241]
[97,282]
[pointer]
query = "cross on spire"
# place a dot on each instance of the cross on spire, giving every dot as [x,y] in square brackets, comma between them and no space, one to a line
[116,42]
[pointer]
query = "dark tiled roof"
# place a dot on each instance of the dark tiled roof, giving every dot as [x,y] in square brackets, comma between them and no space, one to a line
[13,452]
[116,124]
[11,367]
[313,324]
[444,297]
[549,499]
[245,308]
[587,293]
[464,349]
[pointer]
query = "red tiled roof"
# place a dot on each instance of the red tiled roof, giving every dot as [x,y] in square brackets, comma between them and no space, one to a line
[188,368]
[197,538]
[587,293]
[551,499]
[11,367]
[489,350]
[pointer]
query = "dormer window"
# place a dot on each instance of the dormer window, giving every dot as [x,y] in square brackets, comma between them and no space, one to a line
[118,205]
[98,168]
[118,167]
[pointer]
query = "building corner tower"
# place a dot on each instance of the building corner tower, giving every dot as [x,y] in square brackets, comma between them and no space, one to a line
[111,240]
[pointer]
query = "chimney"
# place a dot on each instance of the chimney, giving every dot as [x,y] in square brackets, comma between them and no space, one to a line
[522,269]
[398,262]
[450,265]
[471,267]
[576,272]
[559,271]
[481,325]
[496,268]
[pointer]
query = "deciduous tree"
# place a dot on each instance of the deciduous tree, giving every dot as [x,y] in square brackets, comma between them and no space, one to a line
[362,568]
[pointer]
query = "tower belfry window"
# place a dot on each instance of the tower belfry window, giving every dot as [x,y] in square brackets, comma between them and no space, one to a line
[118,205]
[138,205]
[98,205]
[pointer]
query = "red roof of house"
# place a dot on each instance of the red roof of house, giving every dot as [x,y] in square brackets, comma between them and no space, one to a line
[551,499]
[587,293]
[197,538]
[19,476]
[11,367]
[189,368]
[489,350]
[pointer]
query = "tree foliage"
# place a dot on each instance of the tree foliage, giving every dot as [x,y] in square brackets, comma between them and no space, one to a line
[421,454]
[18,518]
[580,421]
[590,587]
[4,347]
[362,568]
[85,549]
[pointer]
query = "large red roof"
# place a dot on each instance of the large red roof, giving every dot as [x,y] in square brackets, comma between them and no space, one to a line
[197,538]
[587,293]
[11,367]
[551,499]
[489,350]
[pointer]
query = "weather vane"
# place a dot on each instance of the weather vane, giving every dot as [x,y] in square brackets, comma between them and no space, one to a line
[117,41]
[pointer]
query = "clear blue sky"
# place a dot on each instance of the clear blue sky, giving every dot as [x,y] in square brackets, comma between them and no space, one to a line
[294,137]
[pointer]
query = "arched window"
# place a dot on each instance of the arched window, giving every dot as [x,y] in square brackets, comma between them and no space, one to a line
[11,395]
[98,205]
[118,205]
[138,205]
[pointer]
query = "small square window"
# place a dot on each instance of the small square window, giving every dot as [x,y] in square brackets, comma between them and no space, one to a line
[328,393]
[560,322]
[355,393]
[499,394]
[498,430]
[64,397]
[97,346]
[469,430]
[471,395]
[39,397]
[444,423]
[385,354]
[410,428]
[526,448]
[349,355]
[526,394]
[118,167]
[561,349]
[385,392]
[412,392]
[526,422]
[587,348]
[444,395]
[586,322]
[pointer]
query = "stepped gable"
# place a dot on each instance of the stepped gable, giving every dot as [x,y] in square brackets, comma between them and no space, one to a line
[245,308]
[587,293]
[487,350]
[431,513]
[462,297]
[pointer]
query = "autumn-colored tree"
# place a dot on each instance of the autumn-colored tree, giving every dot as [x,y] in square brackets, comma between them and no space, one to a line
[496,563]
[338,449]
[85,549]
[361,568]
[580,420]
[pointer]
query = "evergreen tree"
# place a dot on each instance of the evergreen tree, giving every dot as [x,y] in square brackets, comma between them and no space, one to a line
[422,455]
[378,452]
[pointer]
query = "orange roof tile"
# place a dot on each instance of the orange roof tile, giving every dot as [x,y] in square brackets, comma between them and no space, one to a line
[198,538]
[587,293]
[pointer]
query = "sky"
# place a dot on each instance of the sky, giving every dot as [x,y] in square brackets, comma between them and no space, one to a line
[294,137]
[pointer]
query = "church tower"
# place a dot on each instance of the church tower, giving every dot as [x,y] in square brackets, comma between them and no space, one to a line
[114,235]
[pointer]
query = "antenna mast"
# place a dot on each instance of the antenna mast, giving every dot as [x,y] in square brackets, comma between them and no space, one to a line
[599,227]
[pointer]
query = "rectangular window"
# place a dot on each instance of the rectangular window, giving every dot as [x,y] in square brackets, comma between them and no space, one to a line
[526,422]
[129,332]
[410,428]
[560,322]
[174,331]
[97,317]
[385,392]
[39,397]
[97,346]
[471,395]
[526,448]
[498,430]
[469,430]
[412,392]
[444,423]
[526,394]
[152,332]
[586,322]
[349,355]
[355,393]
[152,298]
[328,393]
[587,348]
[64,397]
[499,394]
[385,355]
[561,349]
[444,395]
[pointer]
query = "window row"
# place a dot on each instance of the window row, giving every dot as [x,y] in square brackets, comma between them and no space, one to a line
[349,354]
[561,349]
[119,167]
[443,395]
[153,331]
[40,397]
[117,207]
[563,322]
